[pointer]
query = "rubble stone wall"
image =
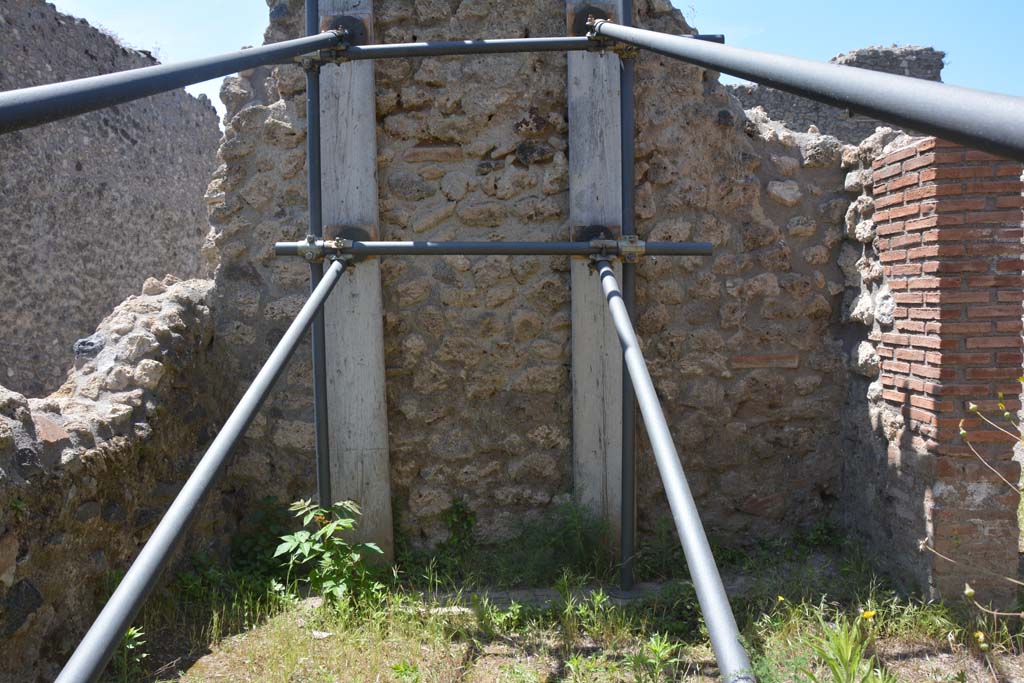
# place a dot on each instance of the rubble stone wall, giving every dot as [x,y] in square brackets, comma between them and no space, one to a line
[87,472]
[477,349]
[799,113]
[90,206]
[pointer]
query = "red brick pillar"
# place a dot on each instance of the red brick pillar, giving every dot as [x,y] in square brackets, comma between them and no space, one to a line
[949,237]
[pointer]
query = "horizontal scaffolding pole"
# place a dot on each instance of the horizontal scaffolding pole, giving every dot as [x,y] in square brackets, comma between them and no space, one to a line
[91,655]
[714,603]
[45,103]
[984,120]
[313,250]
[446,48]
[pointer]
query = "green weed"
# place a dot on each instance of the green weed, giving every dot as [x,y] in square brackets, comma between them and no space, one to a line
[843,648]
[336,568]
[130,656]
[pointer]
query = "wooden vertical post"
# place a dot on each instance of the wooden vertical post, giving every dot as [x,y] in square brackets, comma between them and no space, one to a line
[357,406]
[595,198]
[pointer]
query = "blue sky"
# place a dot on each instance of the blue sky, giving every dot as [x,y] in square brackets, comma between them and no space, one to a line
[981,39]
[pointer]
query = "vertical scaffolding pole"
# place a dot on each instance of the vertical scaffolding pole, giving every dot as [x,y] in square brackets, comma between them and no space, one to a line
[316,228]
[627,103]
[714,603]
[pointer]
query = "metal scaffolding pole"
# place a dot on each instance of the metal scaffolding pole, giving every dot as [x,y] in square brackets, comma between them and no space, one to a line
[627,105]
[987,121]
[316,228]
[714,603]
[447,48]
[44,103]
[316,249]
[91,655]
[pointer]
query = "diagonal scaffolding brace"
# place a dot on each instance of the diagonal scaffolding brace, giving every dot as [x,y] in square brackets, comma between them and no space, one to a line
[714,603]
[92,653]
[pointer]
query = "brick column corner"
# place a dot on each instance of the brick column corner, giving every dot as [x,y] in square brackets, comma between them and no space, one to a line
[949,237]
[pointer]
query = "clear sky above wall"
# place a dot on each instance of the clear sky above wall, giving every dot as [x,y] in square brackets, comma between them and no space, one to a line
[981,39]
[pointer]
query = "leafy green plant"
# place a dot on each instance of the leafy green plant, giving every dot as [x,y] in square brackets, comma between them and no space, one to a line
[568,612]
[494,621]
[336,568]
[655,660]
[842,647]
[128,662]
[605,623]
[406,672]
[581,668]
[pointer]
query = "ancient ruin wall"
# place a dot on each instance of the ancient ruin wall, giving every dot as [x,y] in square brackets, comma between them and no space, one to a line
[87,472]
[477,349]
[91,206]
[934,271]
[800,113]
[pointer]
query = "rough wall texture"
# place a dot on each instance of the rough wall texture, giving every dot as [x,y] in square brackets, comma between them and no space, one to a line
[91,206]
[938,281]
[477,348]
[800,113]
[748,349]
[86,473]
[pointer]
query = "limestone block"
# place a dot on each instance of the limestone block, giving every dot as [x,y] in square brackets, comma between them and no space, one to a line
[865,360]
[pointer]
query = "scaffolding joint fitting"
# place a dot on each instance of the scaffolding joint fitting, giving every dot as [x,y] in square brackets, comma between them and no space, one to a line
[340,249]
[311,250]
[631,248]
[604,43]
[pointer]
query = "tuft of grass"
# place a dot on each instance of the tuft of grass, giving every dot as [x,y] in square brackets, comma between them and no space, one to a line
[258,627]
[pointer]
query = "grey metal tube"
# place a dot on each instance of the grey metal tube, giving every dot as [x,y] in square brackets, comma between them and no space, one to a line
[987,121]
[446,48]
[442,48]
[92,653]
[318,336]
[714,603]
[427,248]
[627,107]
[44,103]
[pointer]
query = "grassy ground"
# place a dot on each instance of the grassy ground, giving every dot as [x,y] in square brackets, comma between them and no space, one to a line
[808,610]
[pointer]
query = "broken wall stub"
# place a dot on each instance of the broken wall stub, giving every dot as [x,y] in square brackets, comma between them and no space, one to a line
[477,349]
[93,205]
[87,472]
[799,113]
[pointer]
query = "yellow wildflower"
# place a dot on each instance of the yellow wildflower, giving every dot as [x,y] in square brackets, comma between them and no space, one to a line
[868,614]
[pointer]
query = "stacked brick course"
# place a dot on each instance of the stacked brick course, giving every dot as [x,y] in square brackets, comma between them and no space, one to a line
[948,222]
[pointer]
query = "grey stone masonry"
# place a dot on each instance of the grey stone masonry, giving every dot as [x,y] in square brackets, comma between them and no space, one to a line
[90,206]
[800,113]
